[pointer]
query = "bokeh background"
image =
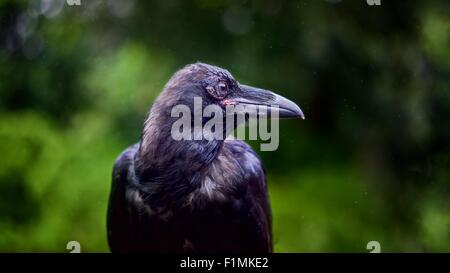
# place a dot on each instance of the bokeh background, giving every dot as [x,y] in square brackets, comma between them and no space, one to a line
[370,162]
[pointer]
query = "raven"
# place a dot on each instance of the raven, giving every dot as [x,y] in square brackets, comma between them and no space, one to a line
[193,195]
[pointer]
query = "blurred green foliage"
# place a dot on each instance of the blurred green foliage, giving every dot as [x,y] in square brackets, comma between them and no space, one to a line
[371,161]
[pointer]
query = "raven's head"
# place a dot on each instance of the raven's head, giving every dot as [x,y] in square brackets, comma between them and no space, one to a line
[216,86]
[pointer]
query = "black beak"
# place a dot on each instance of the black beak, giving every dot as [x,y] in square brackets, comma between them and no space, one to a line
[251,96]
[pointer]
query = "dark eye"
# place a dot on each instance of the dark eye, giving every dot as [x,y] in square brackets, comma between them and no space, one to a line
[218,91]
[223,87]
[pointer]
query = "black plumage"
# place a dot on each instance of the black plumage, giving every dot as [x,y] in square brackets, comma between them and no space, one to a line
[192,195]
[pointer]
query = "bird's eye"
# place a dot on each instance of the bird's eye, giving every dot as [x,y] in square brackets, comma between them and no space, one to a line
[222,87]
[218,91]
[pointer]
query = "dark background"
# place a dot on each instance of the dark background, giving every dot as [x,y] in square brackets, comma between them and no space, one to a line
[370,162]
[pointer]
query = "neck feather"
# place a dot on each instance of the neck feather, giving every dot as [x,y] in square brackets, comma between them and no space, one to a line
[161,157]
